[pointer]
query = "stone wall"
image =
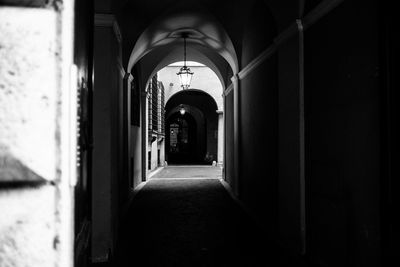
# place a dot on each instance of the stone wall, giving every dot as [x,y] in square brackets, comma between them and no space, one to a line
[37,133]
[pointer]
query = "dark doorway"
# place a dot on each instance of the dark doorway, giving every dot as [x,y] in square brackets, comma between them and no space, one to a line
[181,137]
[202,124]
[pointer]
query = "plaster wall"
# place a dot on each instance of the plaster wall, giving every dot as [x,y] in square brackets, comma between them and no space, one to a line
[258,122]
[136,154]
[343,113]
[161,147]
[289,146]
[83,59]
[220,140]
[203,79]
[107,142]
[154,149]
[212,135]
[102,171]
[258,147]
[229,144]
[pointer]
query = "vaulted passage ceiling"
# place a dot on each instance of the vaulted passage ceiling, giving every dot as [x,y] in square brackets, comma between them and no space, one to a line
[152,30]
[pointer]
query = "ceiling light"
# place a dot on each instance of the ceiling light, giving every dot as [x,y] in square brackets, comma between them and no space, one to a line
[185,75]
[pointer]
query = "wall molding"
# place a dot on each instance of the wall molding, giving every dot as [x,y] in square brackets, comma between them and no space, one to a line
[285,35]
[309,19]
[319,12]
[121,68]
[228,90]
[128,76]
[302,154]
[267,53]
[108,20]
[235,78]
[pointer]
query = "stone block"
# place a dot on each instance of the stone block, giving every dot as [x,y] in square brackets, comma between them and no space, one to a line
[27,229]
[29,93]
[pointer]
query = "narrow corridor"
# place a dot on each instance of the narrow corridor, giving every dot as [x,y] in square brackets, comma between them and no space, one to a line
[191,222]
[188,172]
[296,102]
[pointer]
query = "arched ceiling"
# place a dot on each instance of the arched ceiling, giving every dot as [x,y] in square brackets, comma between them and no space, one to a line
[150,25]
[191,97]
[163,56]
[194,111]
[201,28]
[136,15]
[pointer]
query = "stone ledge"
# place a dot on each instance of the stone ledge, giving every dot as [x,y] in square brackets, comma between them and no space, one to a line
[13,173]
[25,3]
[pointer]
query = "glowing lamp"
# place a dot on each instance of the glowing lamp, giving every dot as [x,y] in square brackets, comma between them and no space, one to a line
[182,110]
[185,75]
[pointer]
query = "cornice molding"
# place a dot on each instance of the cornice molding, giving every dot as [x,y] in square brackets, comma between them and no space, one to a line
[104,20]
[108,20]
[228,90]
[298,26]
[320,11]
[285,35]
[121,69]
[235,78]
[128,77]
[257,61]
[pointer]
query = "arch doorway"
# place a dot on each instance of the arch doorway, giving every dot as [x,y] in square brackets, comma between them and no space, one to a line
[181,145]
[191,138]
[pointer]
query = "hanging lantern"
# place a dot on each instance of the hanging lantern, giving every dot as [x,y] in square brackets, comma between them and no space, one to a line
[185,75]
[182,110]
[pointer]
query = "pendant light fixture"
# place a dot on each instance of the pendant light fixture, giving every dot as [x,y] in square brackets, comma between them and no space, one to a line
[182,110]
[185,75]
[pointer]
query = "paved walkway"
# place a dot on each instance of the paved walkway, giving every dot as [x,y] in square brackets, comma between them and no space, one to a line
[189,172]
[191,222]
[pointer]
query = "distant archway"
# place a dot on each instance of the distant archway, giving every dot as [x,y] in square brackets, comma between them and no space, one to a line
[182,139]
[202,108]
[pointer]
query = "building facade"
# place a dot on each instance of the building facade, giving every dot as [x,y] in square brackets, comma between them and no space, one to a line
[156,124]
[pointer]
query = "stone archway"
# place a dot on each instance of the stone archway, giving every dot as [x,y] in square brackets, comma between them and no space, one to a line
[182,139]
[202,120]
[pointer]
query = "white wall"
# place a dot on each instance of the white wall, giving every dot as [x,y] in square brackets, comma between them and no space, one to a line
[37,134]
[203,79]
[154,147]
[136,153]
[154,155]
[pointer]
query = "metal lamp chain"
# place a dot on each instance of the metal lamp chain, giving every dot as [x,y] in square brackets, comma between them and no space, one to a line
[184,51]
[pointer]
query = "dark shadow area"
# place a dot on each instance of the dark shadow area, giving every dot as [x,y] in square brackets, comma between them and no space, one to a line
[181,140]
[190,137]
[192,223]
